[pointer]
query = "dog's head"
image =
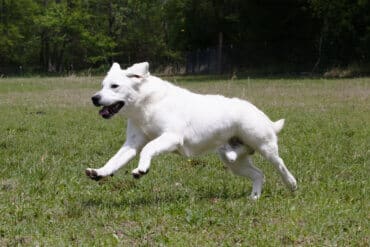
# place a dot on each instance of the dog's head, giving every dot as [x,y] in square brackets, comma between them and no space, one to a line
[120,88]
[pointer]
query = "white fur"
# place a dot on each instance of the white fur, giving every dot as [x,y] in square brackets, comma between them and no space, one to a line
[165,118]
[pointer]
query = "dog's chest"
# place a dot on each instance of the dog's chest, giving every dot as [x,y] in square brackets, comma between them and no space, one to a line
[150,131]
[149,126]
[154,120]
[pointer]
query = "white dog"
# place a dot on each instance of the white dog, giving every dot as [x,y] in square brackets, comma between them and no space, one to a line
[165,118]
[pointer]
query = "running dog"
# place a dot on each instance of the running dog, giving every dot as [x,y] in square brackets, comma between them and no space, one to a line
[165,118]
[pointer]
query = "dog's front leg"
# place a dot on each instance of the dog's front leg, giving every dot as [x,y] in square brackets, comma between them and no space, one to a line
[134,142]
[167,142]
[122,157]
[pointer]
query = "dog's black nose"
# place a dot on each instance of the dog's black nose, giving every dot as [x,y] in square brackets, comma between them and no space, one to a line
[96,100]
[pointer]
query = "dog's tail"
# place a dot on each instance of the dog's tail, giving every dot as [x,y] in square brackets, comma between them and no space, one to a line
[278,125]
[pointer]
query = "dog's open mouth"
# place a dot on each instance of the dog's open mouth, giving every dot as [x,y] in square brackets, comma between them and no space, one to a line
[109,111]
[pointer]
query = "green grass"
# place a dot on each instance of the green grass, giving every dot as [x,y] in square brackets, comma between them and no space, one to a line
[50,132]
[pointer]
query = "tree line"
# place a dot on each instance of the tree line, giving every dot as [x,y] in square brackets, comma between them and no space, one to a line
[73,35]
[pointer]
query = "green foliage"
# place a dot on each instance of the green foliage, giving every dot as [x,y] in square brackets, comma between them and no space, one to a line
[345,29]
[70,35]
[16,31]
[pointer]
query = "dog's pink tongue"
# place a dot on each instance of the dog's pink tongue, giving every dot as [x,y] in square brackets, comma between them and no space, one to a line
[104,112]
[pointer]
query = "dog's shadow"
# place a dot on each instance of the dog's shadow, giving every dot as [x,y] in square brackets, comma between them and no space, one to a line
[162,197]
[131,193]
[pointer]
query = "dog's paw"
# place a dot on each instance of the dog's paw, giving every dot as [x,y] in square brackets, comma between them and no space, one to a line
[292,184]
[91,173]
[255,196]
[136,173]
[231,156]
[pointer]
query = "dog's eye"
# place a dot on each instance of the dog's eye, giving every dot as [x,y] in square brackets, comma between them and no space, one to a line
[133,76]
[114,86]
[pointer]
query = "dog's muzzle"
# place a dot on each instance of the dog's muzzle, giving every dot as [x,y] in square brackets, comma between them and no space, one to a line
[96,100]
[107,111]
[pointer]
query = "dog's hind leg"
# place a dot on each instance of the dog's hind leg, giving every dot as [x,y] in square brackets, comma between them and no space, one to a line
[270,152]
[243,166]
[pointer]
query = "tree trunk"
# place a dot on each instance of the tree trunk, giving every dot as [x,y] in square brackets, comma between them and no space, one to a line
[2,19]
[60,64]
[219,51]
[321,39]
[44,46]
[110,27]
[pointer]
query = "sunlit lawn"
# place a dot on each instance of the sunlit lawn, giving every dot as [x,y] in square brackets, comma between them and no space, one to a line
[50,132]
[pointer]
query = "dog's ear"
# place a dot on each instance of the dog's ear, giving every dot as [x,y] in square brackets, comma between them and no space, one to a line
[139,70]
[115,67]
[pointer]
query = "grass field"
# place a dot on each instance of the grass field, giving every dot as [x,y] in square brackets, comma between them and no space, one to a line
[50,132]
